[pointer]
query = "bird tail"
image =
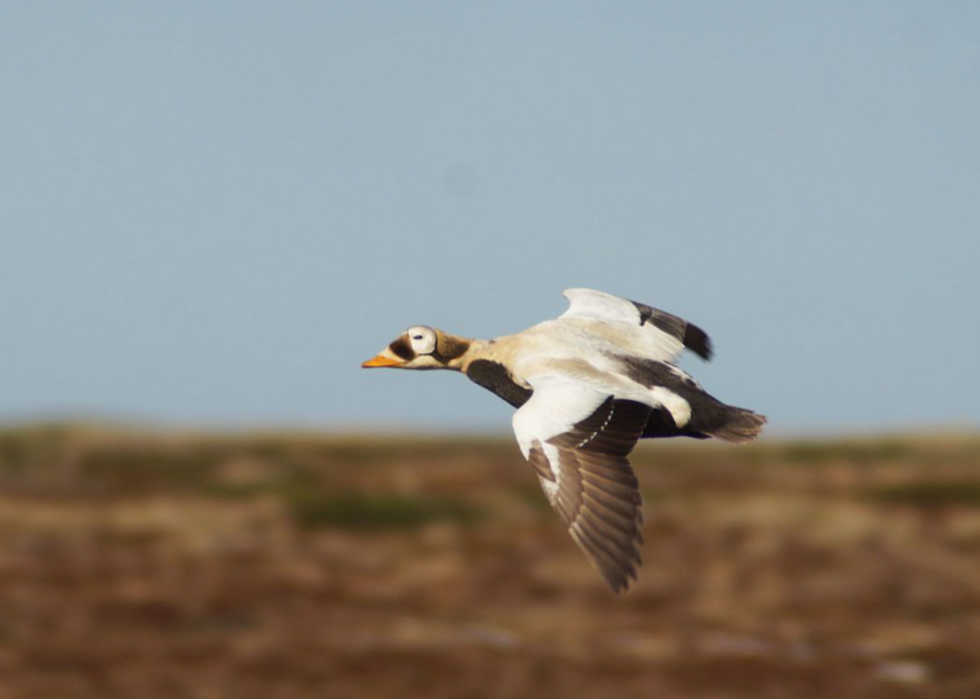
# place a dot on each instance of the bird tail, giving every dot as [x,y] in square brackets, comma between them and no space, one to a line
[737,425]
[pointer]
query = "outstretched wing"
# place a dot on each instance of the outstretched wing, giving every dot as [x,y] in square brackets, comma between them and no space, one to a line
[578,439]
[666,334]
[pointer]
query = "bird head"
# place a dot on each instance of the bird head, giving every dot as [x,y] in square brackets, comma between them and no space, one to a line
[421,347]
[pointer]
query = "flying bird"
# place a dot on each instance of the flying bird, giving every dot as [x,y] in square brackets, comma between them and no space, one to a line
[587,386]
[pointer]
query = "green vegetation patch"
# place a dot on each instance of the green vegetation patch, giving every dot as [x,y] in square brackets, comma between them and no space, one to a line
[384,449]
[24,448]
[143,469]
[856,452]
[930,495]
[16,454]
[313,510]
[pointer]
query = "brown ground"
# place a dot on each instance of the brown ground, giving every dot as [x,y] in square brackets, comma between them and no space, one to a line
[148,566]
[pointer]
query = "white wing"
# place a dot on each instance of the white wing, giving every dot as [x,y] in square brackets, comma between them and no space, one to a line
[578,439]
[640,328]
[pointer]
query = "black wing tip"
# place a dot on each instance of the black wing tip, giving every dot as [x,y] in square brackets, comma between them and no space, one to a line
[693,337]
[697,340]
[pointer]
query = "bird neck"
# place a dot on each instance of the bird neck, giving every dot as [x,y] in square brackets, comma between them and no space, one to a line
[453,350]
[477,349]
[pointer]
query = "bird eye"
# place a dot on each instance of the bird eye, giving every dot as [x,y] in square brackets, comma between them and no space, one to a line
[416,337]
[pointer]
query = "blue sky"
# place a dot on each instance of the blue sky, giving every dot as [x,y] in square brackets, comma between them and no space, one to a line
[212,212]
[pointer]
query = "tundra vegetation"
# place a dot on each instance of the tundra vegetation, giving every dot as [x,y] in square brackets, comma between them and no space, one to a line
[161,564]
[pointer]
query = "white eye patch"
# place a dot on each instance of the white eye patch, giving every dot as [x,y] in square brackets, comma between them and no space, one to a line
[422,338]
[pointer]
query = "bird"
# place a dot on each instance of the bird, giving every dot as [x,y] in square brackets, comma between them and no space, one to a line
[587,387]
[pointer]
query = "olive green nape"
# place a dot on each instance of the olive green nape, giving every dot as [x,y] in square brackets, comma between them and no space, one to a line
[449,346]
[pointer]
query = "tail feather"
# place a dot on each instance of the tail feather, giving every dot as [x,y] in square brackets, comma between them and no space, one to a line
[738,425]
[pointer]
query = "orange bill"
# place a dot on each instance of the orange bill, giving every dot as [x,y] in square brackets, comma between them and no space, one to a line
[382,360]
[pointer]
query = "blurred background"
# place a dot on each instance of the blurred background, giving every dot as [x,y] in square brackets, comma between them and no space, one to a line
[211,213]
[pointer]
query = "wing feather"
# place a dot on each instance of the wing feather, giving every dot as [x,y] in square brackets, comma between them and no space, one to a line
[660,334]
[578,440]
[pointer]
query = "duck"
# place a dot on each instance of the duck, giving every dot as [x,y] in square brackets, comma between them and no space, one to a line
[587,386]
